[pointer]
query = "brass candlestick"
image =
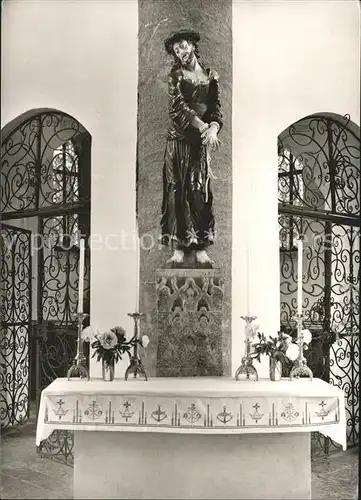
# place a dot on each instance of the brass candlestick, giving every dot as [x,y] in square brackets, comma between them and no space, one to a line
[78,368]
[246,367]
[136,366]
[300,364]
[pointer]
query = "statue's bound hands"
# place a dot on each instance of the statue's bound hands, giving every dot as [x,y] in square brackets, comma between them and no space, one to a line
[209,136]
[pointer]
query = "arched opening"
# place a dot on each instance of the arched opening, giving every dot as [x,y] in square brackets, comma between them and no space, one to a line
[45,204]
[319,196]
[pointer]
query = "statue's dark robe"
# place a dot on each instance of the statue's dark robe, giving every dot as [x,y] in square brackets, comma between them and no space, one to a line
[187,215]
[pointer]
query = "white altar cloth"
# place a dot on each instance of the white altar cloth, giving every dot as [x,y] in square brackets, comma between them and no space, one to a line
[200,405]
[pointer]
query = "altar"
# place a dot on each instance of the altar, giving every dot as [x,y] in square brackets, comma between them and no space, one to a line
[199,437]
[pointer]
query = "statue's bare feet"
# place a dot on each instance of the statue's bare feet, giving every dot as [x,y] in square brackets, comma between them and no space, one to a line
[178,257]
[202,257]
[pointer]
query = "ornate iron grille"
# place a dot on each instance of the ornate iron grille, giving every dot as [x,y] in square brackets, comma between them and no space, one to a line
[15,307]
[58,297]
[319,191]
[45,174]
[30,176]
[324,174]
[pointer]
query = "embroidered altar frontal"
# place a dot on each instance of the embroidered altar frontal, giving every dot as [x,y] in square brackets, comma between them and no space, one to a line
[204,406]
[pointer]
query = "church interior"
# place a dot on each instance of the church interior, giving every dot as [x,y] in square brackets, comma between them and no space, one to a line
[91,241]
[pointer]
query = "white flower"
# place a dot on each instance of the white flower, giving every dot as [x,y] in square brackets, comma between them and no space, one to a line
[255,329]
[286,339]
[292,352]
[307,336]
[145,340]
[89,333]
[108,339]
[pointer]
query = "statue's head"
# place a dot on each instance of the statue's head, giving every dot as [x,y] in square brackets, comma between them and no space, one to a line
[183,45]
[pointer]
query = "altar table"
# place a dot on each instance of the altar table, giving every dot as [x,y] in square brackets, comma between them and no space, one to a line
[192,437]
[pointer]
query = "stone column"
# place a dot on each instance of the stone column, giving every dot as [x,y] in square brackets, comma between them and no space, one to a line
[213,20]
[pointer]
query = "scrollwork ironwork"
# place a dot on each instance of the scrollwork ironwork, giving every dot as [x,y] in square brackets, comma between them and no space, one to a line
[45,173]
[30,175]
[15,306]
[326,154]
[59,446]
[319,191]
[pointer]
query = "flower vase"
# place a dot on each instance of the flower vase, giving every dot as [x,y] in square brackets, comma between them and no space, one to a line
[108,370]
[275,369]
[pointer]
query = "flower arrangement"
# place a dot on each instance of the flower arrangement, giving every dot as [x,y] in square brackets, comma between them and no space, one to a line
[109,346]
[281,347]
[275,347]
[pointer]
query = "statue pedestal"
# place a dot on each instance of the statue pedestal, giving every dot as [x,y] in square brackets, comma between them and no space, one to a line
[189,322]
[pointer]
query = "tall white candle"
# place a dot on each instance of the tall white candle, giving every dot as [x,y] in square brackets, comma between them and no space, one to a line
[137,273]
[247,282]
[81,275]
[299,277]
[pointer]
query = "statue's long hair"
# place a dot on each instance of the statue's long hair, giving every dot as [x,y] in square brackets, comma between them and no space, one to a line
[178,64]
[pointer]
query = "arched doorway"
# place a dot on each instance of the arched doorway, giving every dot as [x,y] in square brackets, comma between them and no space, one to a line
[319,196]
[45,205]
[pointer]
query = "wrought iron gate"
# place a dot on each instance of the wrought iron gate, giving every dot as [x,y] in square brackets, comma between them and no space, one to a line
[15,308]
[319,196]
[45,175]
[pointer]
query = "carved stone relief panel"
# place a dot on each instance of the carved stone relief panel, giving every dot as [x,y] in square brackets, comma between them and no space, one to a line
[189,320]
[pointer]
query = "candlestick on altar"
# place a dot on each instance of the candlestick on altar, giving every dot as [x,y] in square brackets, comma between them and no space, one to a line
[247,283]
[246,367]
[78,368]
[136,366]
[81,276]
[300,364]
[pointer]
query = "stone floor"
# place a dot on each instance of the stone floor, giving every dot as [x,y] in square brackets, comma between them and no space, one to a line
[24,474]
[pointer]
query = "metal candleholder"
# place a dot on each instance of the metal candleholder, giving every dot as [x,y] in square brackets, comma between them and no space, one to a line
[300,364]
[136,366]
[246,367]
[78,368]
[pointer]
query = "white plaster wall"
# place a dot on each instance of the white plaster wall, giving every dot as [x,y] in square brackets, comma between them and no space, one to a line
[290,59]
[80,57]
